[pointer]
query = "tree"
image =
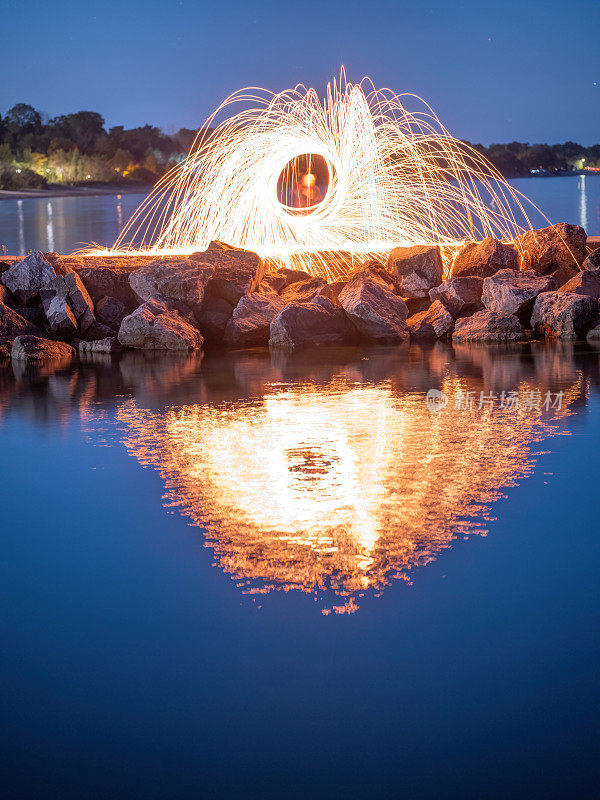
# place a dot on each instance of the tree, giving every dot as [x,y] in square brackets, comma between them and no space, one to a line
[83,128]
[22,119]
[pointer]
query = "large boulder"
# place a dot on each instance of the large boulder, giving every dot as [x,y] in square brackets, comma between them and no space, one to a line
[459,295]
[213,317]
[235,272]
[7,298]
[593,260]
[415,270]
[34,348]
[303,290]
[513,292]
[585,282]
[547,249]
[250,325]
[319,322]
[68,306]
[59,314]
[183,280]
[376,311]
[488,326]
[564,273]
[484,258]
[109,281]
[430,324]
[37,271]
[80,300]
[111,311]
[560,315]
[156,325]
[13,324]
[282,277]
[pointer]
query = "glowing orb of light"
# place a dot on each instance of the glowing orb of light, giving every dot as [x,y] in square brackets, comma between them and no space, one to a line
[394,177]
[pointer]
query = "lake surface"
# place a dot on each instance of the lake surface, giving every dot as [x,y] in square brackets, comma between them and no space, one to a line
[64,224]
[269,576]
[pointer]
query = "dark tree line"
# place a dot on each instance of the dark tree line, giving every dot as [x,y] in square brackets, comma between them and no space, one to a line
[521,158]
[77,147]
[72,148]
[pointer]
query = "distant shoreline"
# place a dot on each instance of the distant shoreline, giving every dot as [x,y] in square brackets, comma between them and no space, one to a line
[75,191]
[142,188]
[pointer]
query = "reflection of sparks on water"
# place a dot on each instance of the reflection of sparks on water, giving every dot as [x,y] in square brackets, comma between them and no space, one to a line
[339,487]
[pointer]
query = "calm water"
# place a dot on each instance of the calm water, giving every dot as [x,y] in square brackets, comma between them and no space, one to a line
[63,224]
[269,576]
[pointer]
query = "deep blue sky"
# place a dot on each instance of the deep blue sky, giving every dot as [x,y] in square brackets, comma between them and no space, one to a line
[493,71]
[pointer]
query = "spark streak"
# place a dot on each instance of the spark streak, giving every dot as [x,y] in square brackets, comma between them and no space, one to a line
[395,177]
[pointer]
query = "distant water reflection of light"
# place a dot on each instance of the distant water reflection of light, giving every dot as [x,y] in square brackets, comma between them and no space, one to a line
[583,215]
[50,227]
[334,487]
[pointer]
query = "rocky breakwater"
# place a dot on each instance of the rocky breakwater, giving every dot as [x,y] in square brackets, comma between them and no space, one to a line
[546,284]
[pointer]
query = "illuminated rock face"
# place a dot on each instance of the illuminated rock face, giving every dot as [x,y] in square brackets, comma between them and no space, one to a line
[336,487]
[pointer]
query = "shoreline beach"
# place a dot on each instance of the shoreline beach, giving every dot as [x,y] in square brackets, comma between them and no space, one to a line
[75,191]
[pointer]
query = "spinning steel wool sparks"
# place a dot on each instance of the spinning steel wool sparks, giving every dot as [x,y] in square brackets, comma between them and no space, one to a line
[296,178]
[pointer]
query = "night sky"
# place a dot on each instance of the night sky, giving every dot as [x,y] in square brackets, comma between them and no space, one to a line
[493,71]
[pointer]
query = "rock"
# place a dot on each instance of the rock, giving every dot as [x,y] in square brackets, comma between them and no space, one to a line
[60,316]
[319,322]
[251,321]
[459,295]
[510,291]
[109,345]
[236,272]
[283,277]
[334,289]
[35,315]
[33,348]
[431,324]
[415,270]
[563,274]
[374,267]
[98,331]
[156,326]
[13,325]
[213,317]
[585,282]
[593,334]
[592,261]
[183,280]
[80,301]
[68,306]
[560,315]
[488,326]
[303,291]
[377,312]
[58,262]
[110,282]
[483,259]
[416,305]
[111,311]
[26,278]
[7,298]
[546,249]
[274,281]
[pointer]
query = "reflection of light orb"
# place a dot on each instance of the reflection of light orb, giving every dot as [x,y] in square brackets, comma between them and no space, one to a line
[396,177]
